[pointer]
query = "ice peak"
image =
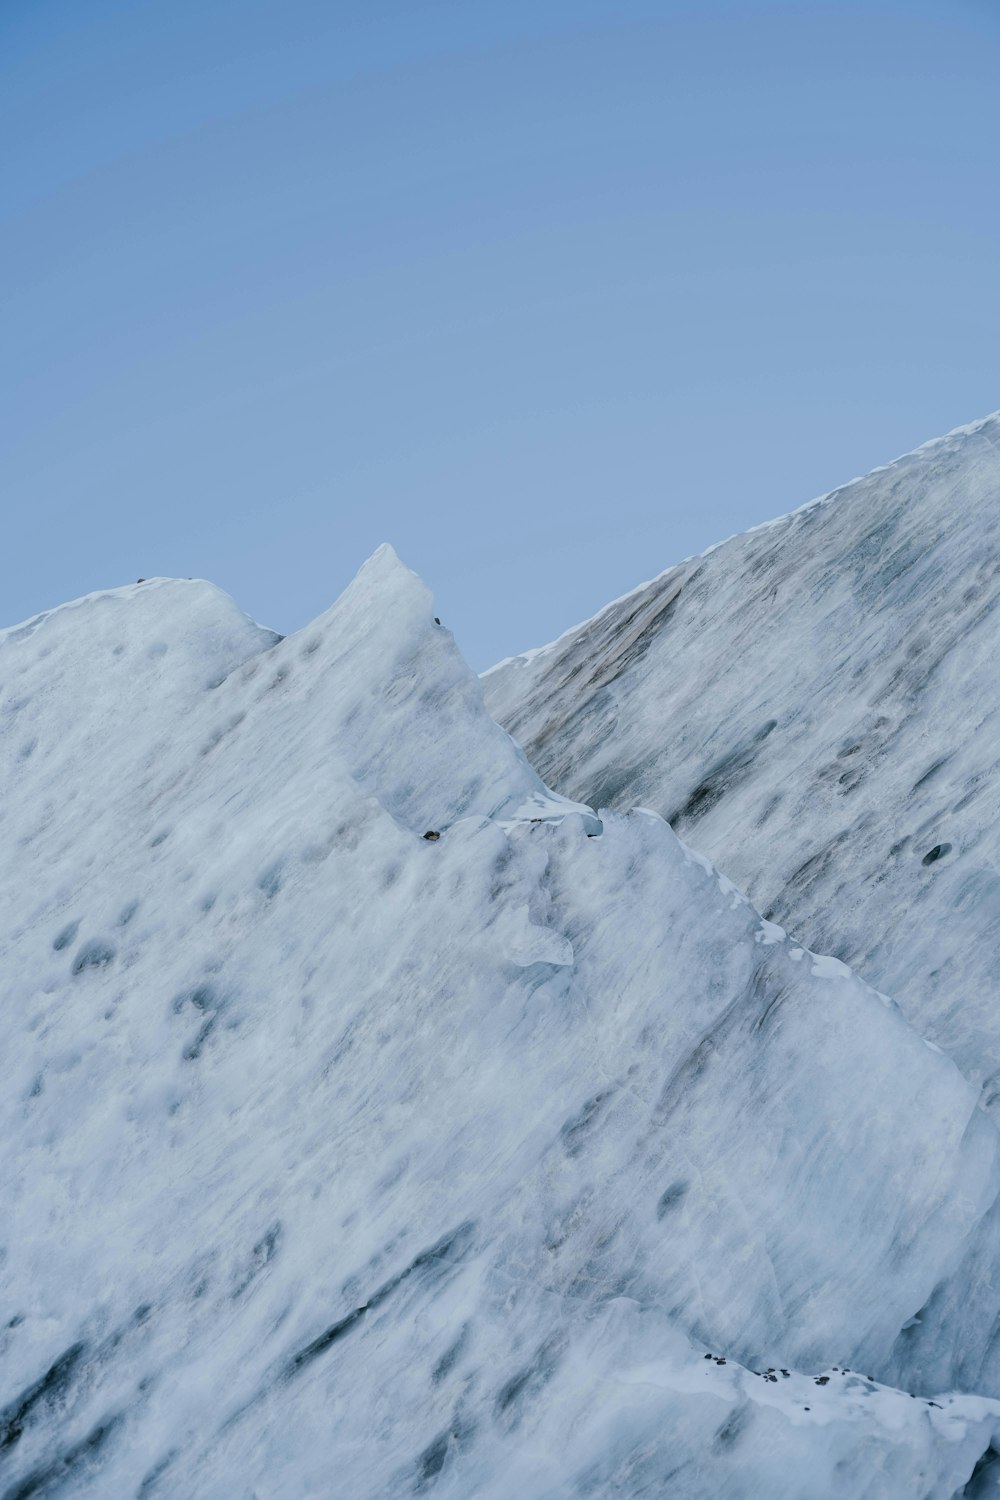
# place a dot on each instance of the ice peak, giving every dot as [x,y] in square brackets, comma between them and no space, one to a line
[176,630]
[407,710]
[385,562]
[385,609]
[163,594]
[416,1149]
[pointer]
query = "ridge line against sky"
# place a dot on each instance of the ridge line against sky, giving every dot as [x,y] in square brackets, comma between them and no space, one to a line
[549,295]
[964,429]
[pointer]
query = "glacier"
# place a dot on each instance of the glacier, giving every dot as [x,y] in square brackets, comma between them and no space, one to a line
[812,705]
[529,1159]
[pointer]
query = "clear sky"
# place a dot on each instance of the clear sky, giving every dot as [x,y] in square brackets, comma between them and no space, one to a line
[547,293]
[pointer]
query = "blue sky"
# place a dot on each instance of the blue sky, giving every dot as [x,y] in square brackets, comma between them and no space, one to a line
[548,294]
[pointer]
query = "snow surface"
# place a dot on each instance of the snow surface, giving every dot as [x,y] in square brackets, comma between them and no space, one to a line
[340,1161]
[813,706]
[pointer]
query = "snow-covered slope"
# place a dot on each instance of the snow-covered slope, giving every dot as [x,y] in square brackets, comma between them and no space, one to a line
[338,1160]
[815,706]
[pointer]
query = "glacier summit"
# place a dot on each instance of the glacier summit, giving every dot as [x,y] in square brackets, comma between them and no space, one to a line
[528,1160]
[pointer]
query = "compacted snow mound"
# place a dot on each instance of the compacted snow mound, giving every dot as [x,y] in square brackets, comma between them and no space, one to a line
[338,1159]
[813,705]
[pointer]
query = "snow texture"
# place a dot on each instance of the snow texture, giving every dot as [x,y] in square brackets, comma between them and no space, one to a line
[812,705]
[340,1160]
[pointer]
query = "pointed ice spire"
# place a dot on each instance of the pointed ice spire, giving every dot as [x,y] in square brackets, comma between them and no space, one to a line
[403,708]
